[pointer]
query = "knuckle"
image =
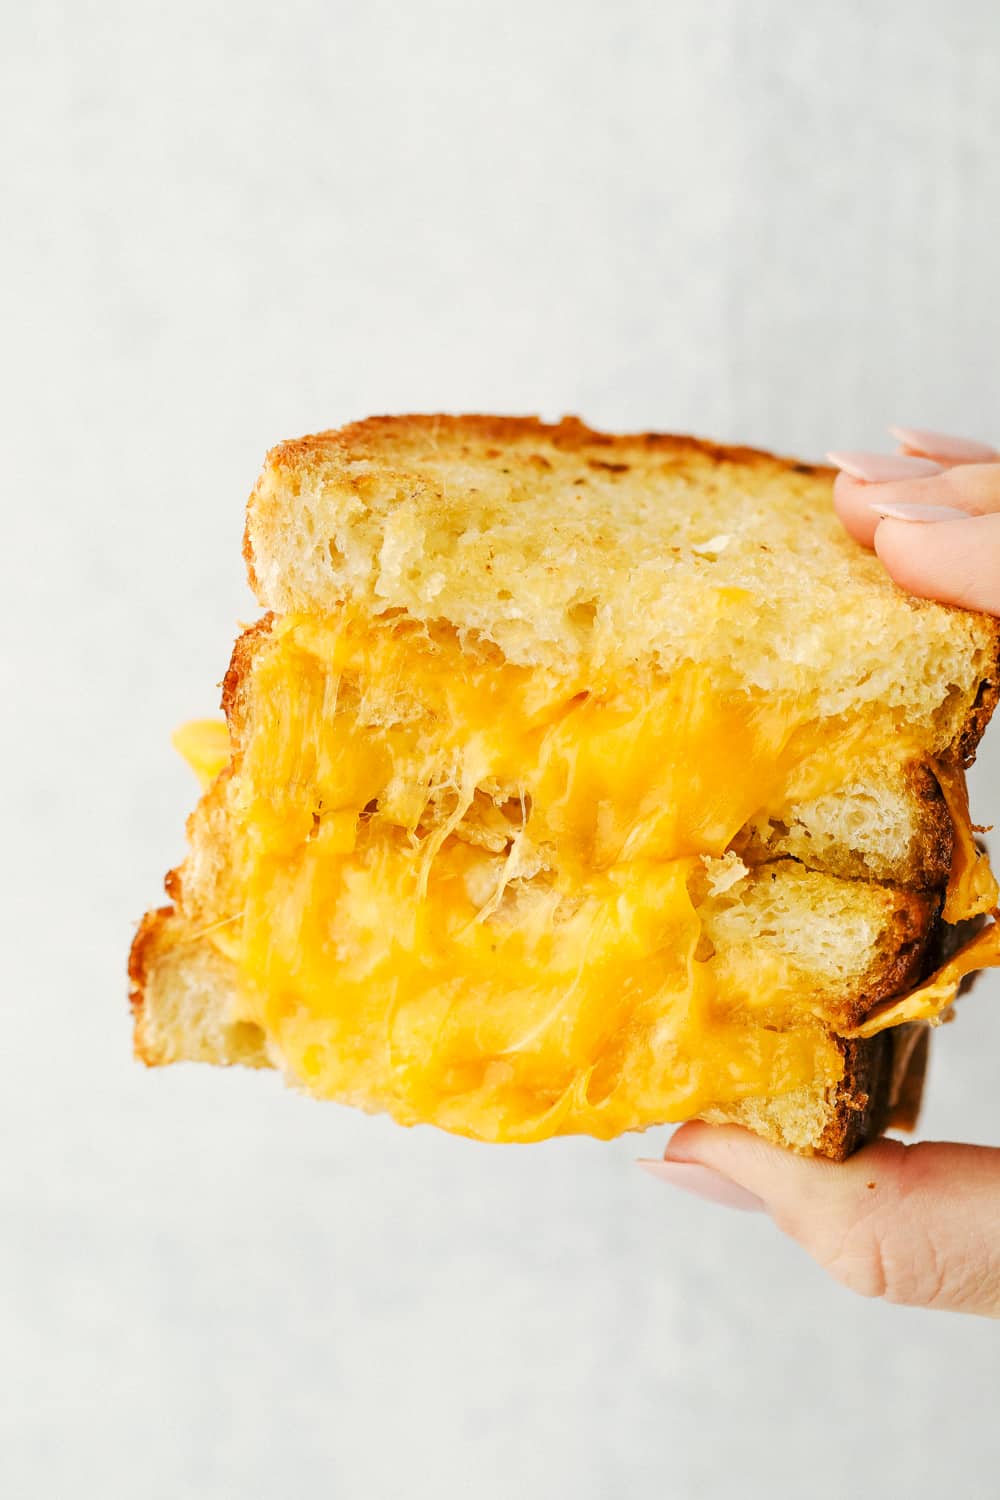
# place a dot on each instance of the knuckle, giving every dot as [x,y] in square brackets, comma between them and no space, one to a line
[886,1250]
[909,1242]
[857,1259]
[899,1266]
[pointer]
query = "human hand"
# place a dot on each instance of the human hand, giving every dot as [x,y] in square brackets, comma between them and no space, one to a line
[912,1224]
[932,513]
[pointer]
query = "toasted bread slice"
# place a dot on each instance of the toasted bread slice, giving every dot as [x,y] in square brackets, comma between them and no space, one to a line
[889,822]
[576,783]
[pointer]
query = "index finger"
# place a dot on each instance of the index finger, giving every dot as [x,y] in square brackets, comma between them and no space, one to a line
[973,488]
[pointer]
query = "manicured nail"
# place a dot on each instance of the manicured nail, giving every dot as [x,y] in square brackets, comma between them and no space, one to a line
[704,1183]
[921,513]
[880,468]
[960,450]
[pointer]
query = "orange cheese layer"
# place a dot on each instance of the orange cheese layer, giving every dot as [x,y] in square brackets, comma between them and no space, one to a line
[932,1000]
[204,744]
[972,888]
[465,887]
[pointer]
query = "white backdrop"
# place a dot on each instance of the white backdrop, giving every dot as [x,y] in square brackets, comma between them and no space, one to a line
[225,225]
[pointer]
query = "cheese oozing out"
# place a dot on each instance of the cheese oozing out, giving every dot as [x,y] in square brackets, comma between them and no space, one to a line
[468,893]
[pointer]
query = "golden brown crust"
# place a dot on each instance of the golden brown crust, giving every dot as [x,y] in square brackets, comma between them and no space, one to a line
[153,935]
[932,861]
[901,962]
[881,1087]
[378,436]
[862,1100]
[145,945]
[237,676]
[986,701]
[923,865]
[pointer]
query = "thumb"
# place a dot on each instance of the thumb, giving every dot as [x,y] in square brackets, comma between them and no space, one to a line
[914,1224]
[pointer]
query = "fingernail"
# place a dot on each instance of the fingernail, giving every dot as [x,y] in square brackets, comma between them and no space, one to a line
[703,1182]
[922,440]
[879,468]
[921,513]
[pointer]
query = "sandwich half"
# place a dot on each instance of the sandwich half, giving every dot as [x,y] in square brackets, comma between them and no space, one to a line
[576,783]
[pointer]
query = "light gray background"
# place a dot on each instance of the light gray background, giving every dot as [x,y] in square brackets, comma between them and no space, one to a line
[228,224]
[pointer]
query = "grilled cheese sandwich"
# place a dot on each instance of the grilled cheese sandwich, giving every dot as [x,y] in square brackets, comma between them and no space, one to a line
[514,877]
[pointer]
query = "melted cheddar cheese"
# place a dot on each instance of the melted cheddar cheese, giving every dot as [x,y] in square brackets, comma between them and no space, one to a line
[204,744]
[932,1000]
[462,890]
[972,888]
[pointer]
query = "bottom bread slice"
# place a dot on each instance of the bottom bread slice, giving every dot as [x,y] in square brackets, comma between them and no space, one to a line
[185,993]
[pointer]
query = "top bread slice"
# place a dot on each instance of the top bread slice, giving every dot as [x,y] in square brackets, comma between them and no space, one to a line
[560,544]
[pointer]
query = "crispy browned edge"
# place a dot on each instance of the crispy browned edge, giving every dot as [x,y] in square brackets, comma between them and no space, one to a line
[872,1093]
[903,963]
[140,956]
[930,856]
[233,702]
[569,433]
[938,841]
[883,1077]
[987,698]
[150,930]
[881,1087]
